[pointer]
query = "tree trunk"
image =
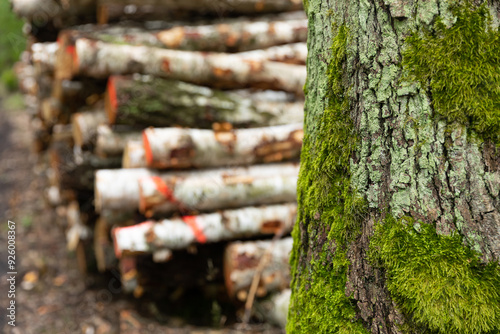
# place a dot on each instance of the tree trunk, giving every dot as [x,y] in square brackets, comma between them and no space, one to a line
[162,102]
[217,189]
[97,59]
[398,226]
[179,233]
[193,148]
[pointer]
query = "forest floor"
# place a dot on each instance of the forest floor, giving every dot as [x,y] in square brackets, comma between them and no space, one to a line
[51,295]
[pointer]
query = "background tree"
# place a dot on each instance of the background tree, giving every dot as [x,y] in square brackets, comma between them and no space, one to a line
[399,220]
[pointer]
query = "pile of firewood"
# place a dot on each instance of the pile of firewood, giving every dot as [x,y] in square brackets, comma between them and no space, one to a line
[173,131]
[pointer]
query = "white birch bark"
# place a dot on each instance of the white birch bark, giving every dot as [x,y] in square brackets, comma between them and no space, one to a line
[98,59]
[179,233]
[184,148]
[241,260]
[210,190]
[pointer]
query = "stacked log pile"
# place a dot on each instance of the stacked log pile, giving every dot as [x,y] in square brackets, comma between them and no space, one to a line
[173,137]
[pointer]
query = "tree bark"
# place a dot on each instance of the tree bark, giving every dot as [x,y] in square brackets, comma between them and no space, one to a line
[210,190]
[162,102]
[112,10]
[97,59]
[172,234]
[382,171]
[241,260]
[187,148]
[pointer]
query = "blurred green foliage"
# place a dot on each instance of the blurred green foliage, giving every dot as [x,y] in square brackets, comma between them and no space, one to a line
[12,43]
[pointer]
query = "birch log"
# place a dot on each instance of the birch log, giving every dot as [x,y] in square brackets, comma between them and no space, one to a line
[112,10]
[187,148]
[275,308]
[43,56]
[134,155]
[295,53]
[179,233]
[162,102]
[59,13]
[99,60]
[85,127]
[241,260]
[118,189]
[234,37]
[76,171]
[111,143]
[210,190]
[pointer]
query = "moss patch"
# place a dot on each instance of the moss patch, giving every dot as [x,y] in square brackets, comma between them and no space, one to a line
[436,280]
[319,304]
[460,67]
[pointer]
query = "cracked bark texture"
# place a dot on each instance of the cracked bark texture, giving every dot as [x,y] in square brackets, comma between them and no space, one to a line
[407,163]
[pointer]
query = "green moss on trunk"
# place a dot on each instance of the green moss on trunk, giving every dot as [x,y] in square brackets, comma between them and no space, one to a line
[462,72]
[319,304]
[441,284]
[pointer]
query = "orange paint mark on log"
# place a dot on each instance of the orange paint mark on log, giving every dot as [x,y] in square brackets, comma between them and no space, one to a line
[259,6]
[147,149]
[271,226]
[191,221]
[163,188]
[165,66]
[221,73]
[255,65]
[71,50]
[112,93]
[172,37]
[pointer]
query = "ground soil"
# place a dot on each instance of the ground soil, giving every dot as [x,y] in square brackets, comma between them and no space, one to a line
[52,296]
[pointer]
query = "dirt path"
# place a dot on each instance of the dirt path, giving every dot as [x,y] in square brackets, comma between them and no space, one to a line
[51,295]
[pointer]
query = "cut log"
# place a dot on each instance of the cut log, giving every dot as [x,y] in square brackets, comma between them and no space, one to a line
[134,155]
[99,60]
[76,230]
[58,13]
[85,127]
[162,102]
[210,190]
[76,171]
[112,143]
[103,246]
[186,148]
[73,95]
[50,111]
[295,53]
[43,56]
[241,260]
[118,189]
[179,233]
[234,37]
[275,308]
[113,10]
